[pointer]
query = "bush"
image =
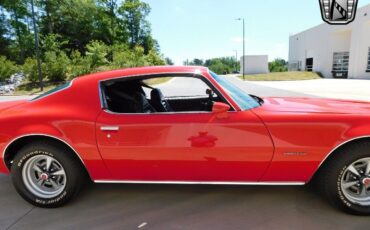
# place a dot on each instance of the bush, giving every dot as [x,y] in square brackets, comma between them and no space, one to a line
[79,65]
[7,68]
[278,65]
[56,66]
[123,57]
[219,67]
[152,58]
[30,69]
[97,51]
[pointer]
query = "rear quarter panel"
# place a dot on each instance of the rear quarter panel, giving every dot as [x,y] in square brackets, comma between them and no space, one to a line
[68,115]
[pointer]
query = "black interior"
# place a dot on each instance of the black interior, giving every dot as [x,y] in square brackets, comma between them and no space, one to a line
[129,97]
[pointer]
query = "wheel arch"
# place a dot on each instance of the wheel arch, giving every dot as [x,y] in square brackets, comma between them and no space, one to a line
[333,153]
[16,144]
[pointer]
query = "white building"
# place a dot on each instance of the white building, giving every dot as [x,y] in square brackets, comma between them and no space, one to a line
[334,50]
[254,64]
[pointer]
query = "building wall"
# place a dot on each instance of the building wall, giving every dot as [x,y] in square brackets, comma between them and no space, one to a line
[322,41]
[254,64]
[360,44]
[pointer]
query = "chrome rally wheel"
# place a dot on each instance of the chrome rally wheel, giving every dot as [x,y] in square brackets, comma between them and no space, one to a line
[44,176]
[47,174]
[345,178]
[355,182]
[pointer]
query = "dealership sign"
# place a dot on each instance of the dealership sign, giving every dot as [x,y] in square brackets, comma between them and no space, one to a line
[338,12]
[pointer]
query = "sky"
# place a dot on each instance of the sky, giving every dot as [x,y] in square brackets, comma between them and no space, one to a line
[188,29]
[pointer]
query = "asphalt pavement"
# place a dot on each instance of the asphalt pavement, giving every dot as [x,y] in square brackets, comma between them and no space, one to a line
[110,206]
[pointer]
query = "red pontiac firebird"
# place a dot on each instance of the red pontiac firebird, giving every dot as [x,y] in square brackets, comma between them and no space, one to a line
[182,125]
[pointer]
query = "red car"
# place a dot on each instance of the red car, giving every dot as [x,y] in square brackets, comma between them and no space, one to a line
[194,127]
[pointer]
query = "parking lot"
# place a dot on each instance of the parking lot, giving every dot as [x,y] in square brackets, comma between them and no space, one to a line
[109,206]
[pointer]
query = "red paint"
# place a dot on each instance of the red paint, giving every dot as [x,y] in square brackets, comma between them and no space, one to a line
[285,139]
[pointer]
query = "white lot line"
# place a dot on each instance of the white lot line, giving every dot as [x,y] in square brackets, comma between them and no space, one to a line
[331,88]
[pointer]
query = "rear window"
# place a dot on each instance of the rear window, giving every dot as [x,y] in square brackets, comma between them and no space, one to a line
[57,89]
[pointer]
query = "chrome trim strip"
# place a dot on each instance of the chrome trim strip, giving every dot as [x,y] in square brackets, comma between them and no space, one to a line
[69,86]
[45,135]
[162,113]
[197,182]
[337,147]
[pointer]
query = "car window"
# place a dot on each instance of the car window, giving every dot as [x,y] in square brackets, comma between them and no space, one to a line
[173,87]
[158,94]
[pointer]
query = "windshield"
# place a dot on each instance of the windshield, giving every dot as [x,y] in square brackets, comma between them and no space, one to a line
[243,99]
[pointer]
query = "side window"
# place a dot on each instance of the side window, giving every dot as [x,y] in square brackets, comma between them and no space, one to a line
[178,87]
[165,94]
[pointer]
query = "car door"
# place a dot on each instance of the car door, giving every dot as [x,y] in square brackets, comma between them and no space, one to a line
[184,146]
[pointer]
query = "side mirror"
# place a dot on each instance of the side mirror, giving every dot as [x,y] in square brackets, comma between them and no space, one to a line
[219,107]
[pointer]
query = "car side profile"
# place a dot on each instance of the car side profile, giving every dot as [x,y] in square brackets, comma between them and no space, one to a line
[182,125]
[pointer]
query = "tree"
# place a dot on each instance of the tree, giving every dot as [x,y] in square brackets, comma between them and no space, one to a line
[278,65]
[134,13]
[169,61]
[197,61]
[98,52]
[218,65]
[7,68]
[4,31]
[19,18]
[77,36]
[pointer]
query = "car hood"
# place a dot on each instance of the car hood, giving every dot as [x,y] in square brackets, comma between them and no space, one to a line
[9,104]
[315,105]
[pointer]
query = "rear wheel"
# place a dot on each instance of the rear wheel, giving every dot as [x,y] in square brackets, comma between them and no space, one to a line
[345,180]
[46,175]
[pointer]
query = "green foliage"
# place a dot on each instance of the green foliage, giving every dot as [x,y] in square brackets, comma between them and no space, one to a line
[278,65]
[56,64]
[152,58]
[218,65]
[79,65]
[76,37]
[7,68]
[197,61]
[53,43]
[97,51]
[124,57]
[29,68]
[169,61]
[134,13]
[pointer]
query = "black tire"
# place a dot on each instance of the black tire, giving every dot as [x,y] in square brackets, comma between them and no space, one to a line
[74,174]
[330,178]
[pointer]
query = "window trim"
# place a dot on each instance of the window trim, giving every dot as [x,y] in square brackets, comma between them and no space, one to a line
[103,103]
[47,94]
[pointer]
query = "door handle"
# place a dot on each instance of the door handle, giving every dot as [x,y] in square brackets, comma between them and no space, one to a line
[109,128]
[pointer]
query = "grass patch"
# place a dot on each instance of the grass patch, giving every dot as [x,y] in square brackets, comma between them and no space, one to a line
[282,76]
[30,88]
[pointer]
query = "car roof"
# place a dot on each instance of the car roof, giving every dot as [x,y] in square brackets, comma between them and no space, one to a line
[140,71]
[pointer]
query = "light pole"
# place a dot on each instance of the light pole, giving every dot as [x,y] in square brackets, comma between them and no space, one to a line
[37,47]
[242,19]
[236,60]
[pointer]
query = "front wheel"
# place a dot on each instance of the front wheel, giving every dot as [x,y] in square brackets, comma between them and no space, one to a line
[46,175]
[345,180]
